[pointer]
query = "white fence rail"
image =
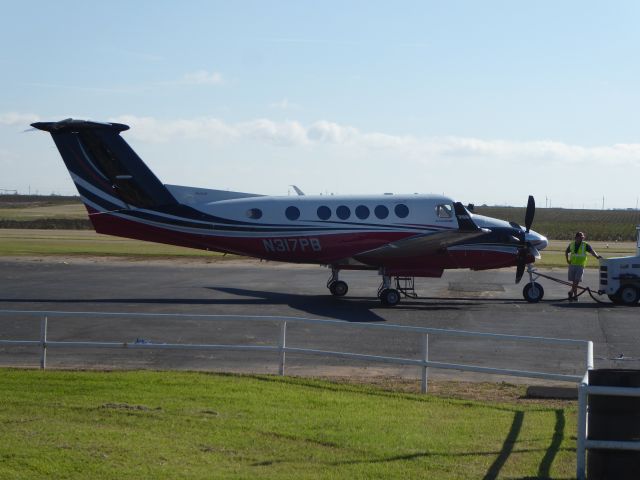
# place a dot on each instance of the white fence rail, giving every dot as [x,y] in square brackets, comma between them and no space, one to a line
[282,348]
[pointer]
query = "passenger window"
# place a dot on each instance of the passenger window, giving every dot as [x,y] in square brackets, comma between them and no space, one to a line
[444,211]
[324,213]
[254,213]
[362,212]
[292,213]
[343,212]
[401,210]
[381,212]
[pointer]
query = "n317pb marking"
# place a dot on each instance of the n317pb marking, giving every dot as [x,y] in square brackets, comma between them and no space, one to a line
[292,245]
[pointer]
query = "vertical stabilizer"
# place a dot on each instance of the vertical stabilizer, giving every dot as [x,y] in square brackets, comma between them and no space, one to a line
[109,175]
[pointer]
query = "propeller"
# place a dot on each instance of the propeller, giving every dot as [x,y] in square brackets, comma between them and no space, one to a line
[525,248]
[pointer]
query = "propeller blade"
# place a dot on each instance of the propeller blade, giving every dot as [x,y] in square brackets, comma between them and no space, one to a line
[531,211]
[520,271]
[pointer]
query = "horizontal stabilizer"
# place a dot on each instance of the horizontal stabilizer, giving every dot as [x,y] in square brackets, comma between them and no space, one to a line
[72,125]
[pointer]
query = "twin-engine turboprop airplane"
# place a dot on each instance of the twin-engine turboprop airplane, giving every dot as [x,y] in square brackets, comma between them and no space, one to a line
[400,236]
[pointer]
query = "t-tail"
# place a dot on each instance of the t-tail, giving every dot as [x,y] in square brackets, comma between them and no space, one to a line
[124,198]
[107,172]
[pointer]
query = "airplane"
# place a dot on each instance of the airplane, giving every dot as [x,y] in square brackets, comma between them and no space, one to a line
[399,236]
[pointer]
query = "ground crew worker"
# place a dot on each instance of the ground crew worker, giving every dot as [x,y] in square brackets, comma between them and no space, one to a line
[576,255]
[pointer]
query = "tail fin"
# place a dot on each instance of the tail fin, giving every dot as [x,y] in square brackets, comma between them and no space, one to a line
[106,171]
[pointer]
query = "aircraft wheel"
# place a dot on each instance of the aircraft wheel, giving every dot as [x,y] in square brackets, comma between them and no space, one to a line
[628,295]
[390,297]
[339,288]
[533,292]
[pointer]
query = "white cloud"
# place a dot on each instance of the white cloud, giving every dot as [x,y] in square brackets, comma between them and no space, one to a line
[202,77]
[152,130]
[277,133]
[264,155]
[329,132]
[20,119]
[426,150]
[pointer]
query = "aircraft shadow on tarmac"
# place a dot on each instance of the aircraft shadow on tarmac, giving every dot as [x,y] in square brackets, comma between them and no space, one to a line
[351,309]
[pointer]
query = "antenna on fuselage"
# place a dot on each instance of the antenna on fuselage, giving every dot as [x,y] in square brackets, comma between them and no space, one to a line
[298,191]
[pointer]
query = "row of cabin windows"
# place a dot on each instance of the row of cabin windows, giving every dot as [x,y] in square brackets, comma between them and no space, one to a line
[362,212]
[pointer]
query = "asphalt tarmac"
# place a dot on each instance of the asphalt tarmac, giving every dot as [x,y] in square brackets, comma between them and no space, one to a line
[463,300]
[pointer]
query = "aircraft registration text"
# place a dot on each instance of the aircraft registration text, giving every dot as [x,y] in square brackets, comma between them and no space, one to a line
[292,245]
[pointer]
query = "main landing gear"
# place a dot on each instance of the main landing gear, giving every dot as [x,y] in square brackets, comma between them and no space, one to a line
[388,295]
[337,287]
[532,291]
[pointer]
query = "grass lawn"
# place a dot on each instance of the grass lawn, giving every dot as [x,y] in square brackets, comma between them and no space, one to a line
[16,242]
[553,255]
[144,424]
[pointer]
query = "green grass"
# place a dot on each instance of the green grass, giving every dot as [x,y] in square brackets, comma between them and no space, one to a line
[25,242]
[101,425]
[553,256]
[19,242]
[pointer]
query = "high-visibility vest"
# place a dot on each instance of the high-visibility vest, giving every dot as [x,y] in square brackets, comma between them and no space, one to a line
[580,257]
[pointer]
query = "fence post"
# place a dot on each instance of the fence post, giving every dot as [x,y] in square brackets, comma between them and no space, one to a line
[43,343]
[282,343]
[589,355]
[425,357]
[581,452]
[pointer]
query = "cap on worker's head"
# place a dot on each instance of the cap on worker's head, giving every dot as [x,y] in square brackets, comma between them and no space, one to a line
[580,234]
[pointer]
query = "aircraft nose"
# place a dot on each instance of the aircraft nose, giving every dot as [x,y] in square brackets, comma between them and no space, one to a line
[537,240]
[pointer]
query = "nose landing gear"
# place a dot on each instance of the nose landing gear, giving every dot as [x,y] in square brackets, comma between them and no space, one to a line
[532,291]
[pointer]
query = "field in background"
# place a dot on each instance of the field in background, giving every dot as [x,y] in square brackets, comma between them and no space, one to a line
[55,225]
[145,424]
[31,211]
[561,223]
[43,212]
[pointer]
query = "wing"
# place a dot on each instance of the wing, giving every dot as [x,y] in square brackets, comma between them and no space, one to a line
[427,243]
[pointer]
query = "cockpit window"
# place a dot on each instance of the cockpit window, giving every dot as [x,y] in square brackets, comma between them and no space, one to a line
[444,211]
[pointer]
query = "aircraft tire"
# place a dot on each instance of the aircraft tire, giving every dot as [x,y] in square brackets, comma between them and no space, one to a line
[390,297]
[339,288]
[533,293]
[628,295]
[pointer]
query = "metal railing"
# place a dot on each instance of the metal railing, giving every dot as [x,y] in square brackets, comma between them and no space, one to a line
[282,348]
[583,443]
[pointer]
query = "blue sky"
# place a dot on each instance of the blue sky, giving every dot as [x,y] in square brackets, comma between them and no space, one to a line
[484,101]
